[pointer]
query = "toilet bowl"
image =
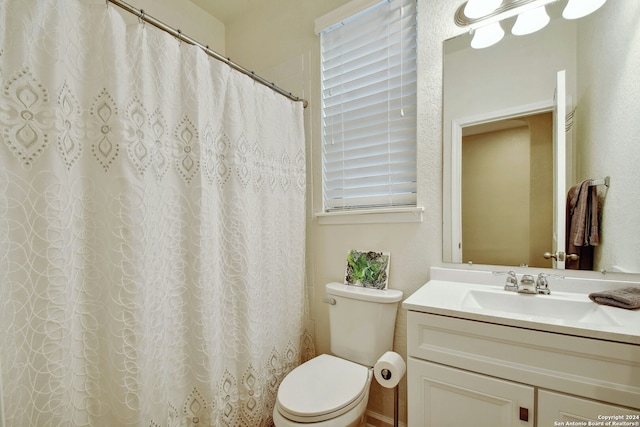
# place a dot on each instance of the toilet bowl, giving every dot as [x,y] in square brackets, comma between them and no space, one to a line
[326,391]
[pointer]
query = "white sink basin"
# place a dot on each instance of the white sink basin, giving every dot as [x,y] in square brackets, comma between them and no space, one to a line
[570,313]
[560,307]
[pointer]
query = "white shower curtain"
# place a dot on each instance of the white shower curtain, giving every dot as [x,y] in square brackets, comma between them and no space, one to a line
[151,227]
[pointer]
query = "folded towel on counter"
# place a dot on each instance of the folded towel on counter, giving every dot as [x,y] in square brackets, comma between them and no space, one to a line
[628,298]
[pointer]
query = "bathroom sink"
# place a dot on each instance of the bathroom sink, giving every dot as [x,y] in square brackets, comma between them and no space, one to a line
[569,311]
[559,307]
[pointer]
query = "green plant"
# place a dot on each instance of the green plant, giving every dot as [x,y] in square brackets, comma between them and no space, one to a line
[367,268]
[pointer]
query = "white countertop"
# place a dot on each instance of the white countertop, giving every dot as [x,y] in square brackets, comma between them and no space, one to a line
[569,313]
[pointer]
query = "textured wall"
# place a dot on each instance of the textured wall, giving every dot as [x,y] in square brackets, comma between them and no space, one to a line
[613,147]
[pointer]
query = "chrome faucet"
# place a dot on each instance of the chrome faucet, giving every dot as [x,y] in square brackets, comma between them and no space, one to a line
[527,285]
[542,284]
[511,283]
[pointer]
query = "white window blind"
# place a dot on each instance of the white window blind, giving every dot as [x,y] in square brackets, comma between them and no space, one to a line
[369,108]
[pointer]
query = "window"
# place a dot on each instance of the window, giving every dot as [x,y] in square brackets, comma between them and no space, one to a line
[369,108]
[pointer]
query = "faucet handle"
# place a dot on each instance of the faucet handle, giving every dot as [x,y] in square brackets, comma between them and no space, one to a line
[511,283]
[542,284]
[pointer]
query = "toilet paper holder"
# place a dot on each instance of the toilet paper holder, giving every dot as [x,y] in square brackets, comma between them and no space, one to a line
[386,374]
[391,363]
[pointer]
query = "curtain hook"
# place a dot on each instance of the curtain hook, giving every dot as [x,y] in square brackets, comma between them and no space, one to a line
[141,19]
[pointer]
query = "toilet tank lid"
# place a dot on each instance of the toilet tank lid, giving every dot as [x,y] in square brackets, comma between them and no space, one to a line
[364,294]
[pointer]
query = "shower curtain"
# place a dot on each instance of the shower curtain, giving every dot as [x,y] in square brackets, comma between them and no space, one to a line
[151,227]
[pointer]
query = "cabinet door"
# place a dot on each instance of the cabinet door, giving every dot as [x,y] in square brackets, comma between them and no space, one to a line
[556,409]
[440,396]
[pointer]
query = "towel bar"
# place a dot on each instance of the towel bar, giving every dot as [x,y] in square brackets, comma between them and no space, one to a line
[602,181]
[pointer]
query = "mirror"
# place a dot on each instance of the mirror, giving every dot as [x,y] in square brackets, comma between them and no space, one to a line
[517,78]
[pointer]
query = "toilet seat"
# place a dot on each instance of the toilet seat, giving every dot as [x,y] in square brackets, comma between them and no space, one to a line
[322,388]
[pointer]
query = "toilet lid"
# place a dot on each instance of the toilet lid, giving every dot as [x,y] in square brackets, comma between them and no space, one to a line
[321,387]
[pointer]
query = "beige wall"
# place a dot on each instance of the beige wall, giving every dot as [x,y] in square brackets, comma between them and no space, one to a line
[495,197]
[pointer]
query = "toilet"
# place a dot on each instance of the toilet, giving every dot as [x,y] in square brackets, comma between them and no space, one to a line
[332,390]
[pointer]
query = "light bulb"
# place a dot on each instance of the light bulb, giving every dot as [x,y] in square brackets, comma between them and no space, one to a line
[487,36]
[531,21]
[578,8]
[479,8]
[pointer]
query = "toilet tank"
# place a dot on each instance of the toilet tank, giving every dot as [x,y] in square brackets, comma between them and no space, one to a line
[362,321]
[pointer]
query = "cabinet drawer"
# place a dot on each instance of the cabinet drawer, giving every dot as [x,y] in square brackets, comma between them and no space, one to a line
[556,409]
[597,369]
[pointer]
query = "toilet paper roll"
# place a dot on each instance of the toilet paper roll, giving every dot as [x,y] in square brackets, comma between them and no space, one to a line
[389,369]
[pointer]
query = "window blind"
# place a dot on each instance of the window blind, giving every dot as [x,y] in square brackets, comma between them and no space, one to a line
[369,108]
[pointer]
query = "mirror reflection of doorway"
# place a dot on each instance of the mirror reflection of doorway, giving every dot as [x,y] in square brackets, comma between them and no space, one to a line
[507,188]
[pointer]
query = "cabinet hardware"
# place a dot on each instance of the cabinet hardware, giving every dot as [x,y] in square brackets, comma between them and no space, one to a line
[524,414]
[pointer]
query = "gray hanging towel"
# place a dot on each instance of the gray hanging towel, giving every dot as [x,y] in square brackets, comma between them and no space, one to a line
[583,228]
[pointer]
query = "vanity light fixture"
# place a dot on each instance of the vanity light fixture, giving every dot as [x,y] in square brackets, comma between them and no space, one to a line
[578,8]
[487,35]
[480,8]
[531,21]
[483,17]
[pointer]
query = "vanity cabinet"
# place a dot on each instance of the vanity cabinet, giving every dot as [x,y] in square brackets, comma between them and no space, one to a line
[480,374]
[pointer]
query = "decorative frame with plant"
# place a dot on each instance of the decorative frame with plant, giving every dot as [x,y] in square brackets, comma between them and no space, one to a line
[368,269]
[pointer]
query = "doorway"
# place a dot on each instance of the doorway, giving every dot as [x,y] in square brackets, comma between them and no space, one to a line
[506,191]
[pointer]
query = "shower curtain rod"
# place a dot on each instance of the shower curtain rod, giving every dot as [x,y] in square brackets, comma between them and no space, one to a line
[178,34]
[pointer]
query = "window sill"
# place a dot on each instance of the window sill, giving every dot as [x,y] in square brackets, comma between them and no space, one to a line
[371,216]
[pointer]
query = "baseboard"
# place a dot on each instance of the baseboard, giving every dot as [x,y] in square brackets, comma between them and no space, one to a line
[377,420]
